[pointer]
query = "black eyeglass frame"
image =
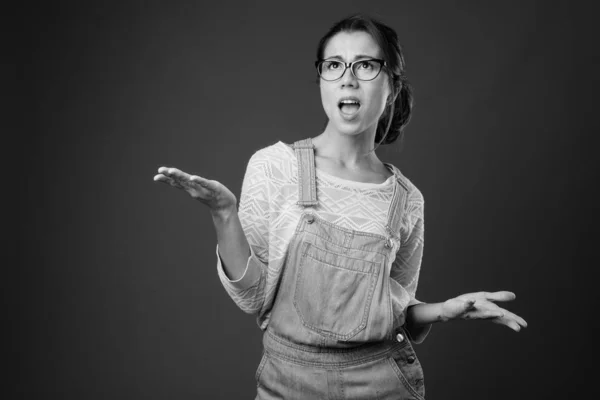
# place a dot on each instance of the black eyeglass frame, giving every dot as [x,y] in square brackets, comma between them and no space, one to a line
[382,64]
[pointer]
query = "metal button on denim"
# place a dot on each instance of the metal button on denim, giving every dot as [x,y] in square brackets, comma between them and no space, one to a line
[400,337]
[310,219]
[410,359]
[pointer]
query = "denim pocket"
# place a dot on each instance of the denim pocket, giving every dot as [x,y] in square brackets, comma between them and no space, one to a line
[333,292]
[407,367]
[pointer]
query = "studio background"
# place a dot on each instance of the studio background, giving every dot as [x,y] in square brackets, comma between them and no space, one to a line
[117,295]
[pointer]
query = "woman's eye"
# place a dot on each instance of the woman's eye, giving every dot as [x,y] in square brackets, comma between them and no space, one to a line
[366,65]
[334,65]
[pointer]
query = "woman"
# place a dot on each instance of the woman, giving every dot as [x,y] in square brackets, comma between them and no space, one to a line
[327,243]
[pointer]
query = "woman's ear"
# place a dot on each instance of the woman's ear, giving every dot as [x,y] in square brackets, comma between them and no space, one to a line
[396,88]
[393,96]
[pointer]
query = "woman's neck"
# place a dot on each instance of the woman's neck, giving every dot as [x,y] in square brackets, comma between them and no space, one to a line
[350,151]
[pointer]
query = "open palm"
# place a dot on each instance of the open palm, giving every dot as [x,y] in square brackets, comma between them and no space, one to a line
[212,193]
[480,305]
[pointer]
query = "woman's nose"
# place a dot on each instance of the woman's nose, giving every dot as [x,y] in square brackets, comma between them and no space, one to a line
[348,78]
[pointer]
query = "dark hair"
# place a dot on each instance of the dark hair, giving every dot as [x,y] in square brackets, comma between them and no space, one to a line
[397,112]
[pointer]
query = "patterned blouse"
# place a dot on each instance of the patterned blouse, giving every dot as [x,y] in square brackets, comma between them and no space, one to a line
[268,214]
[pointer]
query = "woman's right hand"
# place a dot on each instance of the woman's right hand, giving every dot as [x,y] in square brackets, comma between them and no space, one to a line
[212,193]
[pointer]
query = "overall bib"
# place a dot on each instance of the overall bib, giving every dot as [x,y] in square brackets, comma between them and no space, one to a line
[331,334]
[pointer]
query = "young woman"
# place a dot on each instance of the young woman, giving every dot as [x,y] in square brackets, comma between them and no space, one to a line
[327,242]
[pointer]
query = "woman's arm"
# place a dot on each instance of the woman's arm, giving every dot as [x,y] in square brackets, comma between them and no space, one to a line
[406,269]
[423,314]
[221,202]
[233,247]
[419,318]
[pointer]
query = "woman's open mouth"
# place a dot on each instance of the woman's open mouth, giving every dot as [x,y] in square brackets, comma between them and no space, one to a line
[349,106]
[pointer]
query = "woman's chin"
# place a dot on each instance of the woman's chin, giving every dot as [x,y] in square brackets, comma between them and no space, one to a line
[349,130]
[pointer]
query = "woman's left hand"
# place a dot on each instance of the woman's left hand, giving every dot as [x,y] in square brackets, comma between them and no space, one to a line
[480,306]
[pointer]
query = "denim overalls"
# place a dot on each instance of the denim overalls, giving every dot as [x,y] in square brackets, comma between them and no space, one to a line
[331,333]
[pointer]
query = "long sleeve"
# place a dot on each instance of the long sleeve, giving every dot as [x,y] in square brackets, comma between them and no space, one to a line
[248,291]
[407,265]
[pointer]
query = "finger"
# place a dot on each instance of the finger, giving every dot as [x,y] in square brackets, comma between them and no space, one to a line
[165,170]
[522,322]
[167,180]
[499,296]
[174,173]
[205,183]
[483,313]
[483,309]
[199,180]
[509,322]
[489,314]
[512,316]
[518,319]
[182,179]
[179,174]
[168,170]
[514,326]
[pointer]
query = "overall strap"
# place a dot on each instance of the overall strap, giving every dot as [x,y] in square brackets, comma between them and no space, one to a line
[397,205]
[307,183]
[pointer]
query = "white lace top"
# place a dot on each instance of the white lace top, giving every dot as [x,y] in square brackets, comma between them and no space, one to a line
[269,215]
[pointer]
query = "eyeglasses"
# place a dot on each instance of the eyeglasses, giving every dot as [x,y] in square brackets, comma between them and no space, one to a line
[363,70]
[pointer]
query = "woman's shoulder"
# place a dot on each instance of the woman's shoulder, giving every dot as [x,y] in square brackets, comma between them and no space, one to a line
[275,151]
[274,162]
[414,196]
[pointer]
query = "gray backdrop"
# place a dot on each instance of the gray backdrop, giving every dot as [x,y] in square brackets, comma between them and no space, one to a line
[117,295]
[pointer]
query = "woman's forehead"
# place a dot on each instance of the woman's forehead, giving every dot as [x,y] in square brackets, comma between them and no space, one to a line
[351,45]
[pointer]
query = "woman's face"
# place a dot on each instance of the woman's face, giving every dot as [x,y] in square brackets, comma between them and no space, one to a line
[371,95]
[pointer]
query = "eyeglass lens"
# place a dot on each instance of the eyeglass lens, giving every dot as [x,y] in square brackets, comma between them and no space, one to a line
[365,70]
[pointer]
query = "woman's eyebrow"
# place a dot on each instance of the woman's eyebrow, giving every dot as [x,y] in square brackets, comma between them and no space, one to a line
[357,57]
